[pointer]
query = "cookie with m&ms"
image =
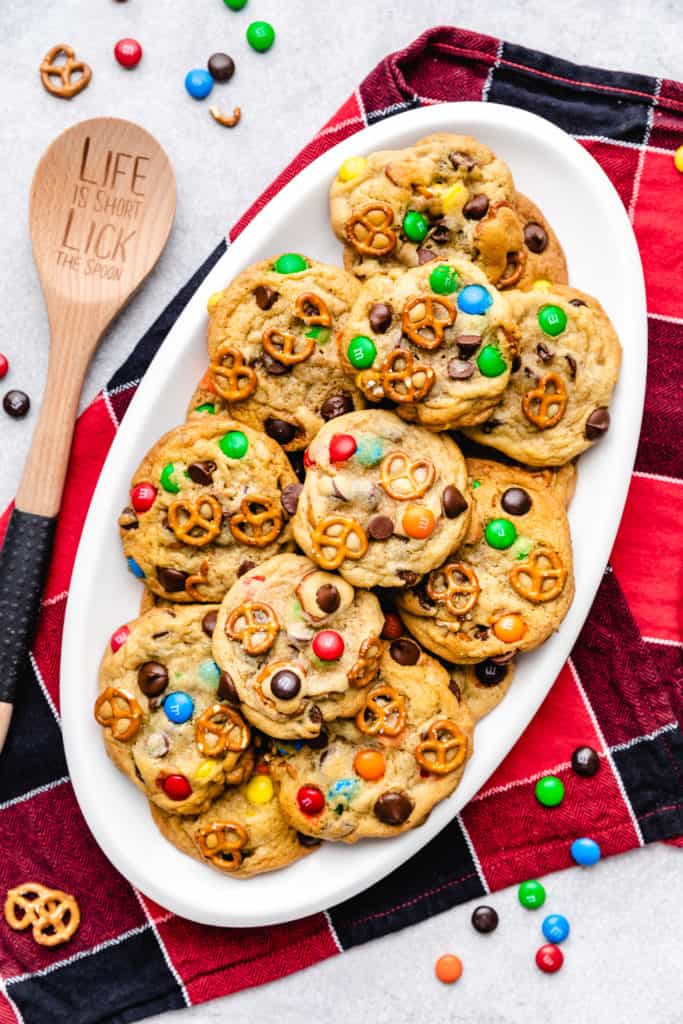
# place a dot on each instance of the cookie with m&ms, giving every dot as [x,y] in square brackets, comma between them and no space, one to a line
[383,501]
[557,401]
[243,833]
[483,685]
[510,584]
[447,195]
[381,773]
[545,264]
[211,498]
[436,342]
[170,721]
[300,645]
[272,358]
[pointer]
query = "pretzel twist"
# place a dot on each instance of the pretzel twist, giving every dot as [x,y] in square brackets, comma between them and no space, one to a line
[257,529]
[538,402]
[456,586]
[53,915]
[384,713]
[366,665]
[425,317]
[117,710]
[403,479]
[49,70]
[221,843]
[255,625]
[307,301]
[282,345]
[409,382]
[370,230]
[332,534]
[528,578]
[446,754]
[184,528]
[231,377]
[219,729]
[196,580]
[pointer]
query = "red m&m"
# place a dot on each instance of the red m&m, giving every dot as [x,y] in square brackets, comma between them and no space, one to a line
[310,800]
[4,365]
[176,787]
[328,645]
[342,447]
[119,638]
[143,497]
[549,958]
[308,461]
[128,52]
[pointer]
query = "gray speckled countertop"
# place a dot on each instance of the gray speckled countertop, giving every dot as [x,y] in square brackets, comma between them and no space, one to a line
[623,957]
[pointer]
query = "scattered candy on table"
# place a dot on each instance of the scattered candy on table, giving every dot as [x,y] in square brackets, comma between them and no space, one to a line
[550,791]
[228,120]
[531,894]
[235,5]
[128,53]
[678,159]
[448,968]
[4,365]
[221,67]
[16,404]
[585,851]
[555,928]
[585,761]
[260,36]
[198,83]
[549,958]
[484,919]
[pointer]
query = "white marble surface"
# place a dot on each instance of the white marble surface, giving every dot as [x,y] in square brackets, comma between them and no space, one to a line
[623,958]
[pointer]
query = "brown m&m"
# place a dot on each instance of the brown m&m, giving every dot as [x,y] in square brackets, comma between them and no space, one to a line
[393,808]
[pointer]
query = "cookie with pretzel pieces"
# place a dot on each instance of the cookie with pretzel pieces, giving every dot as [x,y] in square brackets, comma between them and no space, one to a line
[447,195]
[557,401]
[243,833]
[509,586]
[170,720]
[382,772]
[207,502]
[482,686]
[441,342]
[545,260]
[383,501]
[300,645]
[273,363]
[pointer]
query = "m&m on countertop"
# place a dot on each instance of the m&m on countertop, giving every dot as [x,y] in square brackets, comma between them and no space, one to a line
[448,968]
[4,365]
[128,53]
[585,761]
[585,852]
[484,919]
[555,928]
[549,958]
[550,791]
[260,36]
[531,894]
[198,83]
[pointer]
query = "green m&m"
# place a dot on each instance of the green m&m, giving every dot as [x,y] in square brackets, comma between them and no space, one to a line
[415,226]
[234,444]
[491,362]
[550,791]
[552,320]
[531,894]
[167,479]
[319,334]
[207,407]
[500,533]
[290,263]
[260,36]
[361,352]
[235,5]
[443,279]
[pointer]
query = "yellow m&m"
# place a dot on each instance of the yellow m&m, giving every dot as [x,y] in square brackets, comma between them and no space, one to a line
[542,285]
[205,771]
[352,168]
[454,198]
[260,790]
[678,159]
[213,301]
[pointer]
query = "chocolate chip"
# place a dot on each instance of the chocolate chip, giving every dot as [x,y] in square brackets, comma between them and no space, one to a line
[152,678]
[328,598]
[221,67]
[16,404]
[200,472]
[490,425]
[597,423]
[285,684]
[425,256]
[318,742]
[280,430]
[290,497]
[404,651]
[380,317]
[128,520]
[476,207]
[455,689]
[543,352]
[273,366]
[480,632]
[265,296]
[460,369]
[439,234]
[516,363]
[336,405]
[516,501]
[315,715]
[227,689]
[484,919]
[489,673]
[380,527]
[571,363]
[453,502]
[468,344]
[393,808]
[408,577]
[209,622]
[535,237]
[308,840]
[577,302]
[245,566]
[172,580]
[528,372]
[585,761]
[462,160]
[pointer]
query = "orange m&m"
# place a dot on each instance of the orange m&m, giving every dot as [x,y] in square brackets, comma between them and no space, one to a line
[510,628]
[369,764]
[418,522]
[448,968]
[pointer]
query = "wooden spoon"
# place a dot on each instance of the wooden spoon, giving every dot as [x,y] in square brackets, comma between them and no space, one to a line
[102,205]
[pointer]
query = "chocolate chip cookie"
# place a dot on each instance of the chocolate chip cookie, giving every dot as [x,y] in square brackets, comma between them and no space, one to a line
[163,712]
[383,501]
[212,498]
[510,584]
[273,363]
[299,645]
[545,262]
[381,773]
[434,341]
[557,401]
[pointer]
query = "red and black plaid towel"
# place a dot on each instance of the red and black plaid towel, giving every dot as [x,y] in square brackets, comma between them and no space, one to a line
[621,691]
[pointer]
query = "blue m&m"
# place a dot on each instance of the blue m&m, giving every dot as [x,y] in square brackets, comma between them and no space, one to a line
[585,852]
[209,673]
[178,707]
[555,928]
[475,299]
[135,568]
[198,83]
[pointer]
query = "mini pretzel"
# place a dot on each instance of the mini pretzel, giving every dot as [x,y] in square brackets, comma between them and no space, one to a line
[228,120]
[366,665]
[22,903]
[370,230]
[118,710]
[448,754]
[426,318]
[528,578]
[184,528]
[404,480]
[232,378]
[197,579]
[52,914]
[336,533]
[384,713]
[320,317]
[404,380]
[69,86]
[255,625]
[282,345]
[254,528]
[537,403]
[222,842]
[219,729]
[455,585]
[492,237]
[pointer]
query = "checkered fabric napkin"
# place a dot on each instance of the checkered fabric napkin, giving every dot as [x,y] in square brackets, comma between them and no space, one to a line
[620,692]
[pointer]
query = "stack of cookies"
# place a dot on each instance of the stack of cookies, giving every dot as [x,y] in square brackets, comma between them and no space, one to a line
[334,593]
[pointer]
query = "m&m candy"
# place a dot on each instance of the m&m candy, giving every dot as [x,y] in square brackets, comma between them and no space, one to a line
[500,533]
[135,568]
[443,279]
[119,638]
[235,5]
[531,894]
[308,460]
[585,851]
[678,159]
[328,645]
[290,263]
[128,52]
[234,444]
[260,36]
[418,522]
[510,628]
[555,928]
[310,800]
[552,320]
[361,352]
[549,958]
[4,365]
[448,968]
[352,168]
[585,761]
[209,673]
[198,83]
[369,451]
[491,362]
[168,480]
[207,407]
[342,447]
[393,627]
[143,496]
[484,919]
[178,707]
[176,787]
[260,790]
[369,764]
[415,226]
[474,299]
[550,791]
